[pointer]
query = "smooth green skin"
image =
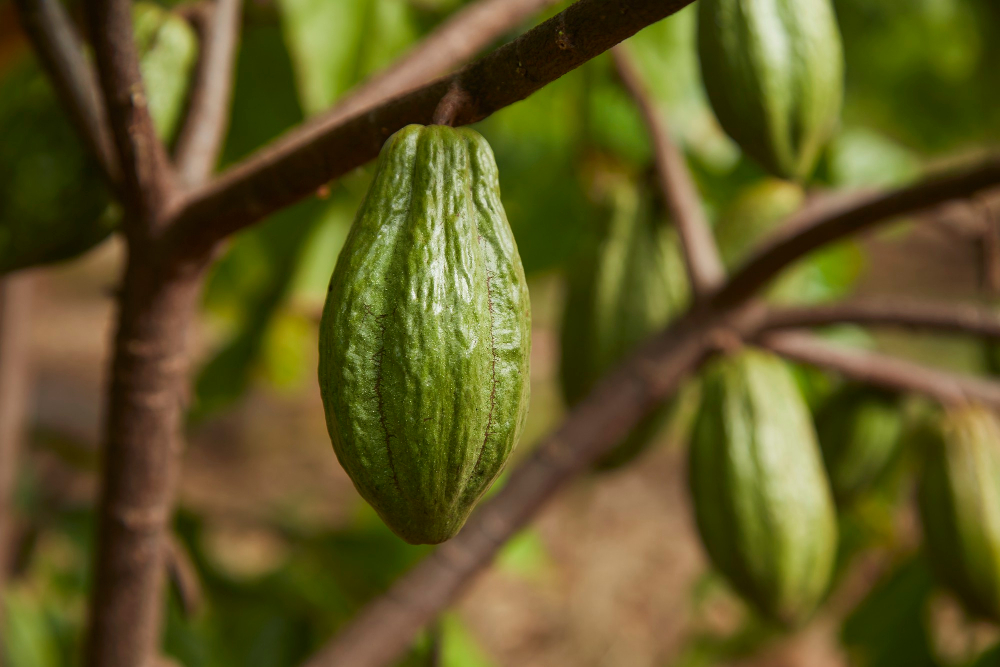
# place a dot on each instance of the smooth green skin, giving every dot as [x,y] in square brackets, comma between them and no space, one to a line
[761,497]
[426,333]
[630,286]
[960,506]
[773,70]
[860,432]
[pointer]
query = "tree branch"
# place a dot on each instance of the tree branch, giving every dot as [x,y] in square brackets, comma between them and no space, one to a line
[146,175]
[881,371]
[200,140]
[702,260]
[61,52]
[15,296]
[945,318]
[297,164]
[839,216]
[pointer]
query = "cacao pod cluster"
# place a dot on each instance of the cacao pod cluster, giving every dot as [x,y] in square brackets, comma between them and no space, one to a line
[629,285]
[426,334]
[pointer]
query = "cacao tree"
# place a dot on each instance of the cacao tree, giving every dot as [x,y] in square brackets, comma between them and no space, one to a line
[667,196]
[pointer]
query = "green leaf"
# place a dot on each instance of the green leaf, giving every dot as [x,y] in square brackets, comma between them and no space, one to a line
[887,629]
[168,50]
[334,45]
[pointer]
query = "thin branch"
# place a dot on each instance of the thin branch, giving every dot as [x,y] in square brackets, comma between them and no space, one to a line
[453,43]
[881,371]
[184,577]
[945,318]
[838,216]
[61,52]
[702,260]
[146,178]
[15,296]
[200,140]
[297,164]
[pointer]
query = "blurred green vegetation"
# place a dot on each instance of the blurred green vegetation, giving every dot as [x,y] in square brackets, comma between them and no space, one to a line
[922,84]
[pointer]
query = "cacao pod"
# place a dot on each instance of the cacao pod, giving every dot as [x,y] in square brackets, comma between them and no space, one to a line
[859,431]
[773,70]
[425,336]
[761,498]
[53,202]
[630,284]
[960,506]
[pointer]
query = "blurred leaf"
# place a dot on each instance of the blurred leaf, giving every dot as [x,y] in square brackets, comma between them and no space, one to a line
[169,51]
[334,45]
[887,629]
[924,71]
[27,633]
[861,158]
[525,555]
[247,286]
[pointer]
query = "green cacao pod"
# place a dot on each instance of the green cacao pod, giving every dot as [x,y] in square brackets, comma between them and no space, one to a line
[53,201]
[960,506]
[859,431]
[761,497]
[629,285]
[773,70]
[425,336]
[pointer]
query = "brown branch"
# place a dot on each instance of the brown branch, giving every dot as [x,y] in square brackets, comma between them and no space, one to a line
[451,106]
[838,216]
[456,40]
[945,318]
[146,175]
[881,371]
[200,140]
[15,295]
[141,459]
[297,164]
[61,52]
[184,577]
[702,260]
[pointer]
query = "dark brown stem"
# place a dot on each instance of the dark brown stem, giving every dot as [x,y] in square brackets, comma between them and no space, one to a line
[838,216]
[200,140]
[60,50]
[141,460]
[303,160]
[945,318]
[881,371]
[702,259]
[15,296]
[146,175]
[450,109]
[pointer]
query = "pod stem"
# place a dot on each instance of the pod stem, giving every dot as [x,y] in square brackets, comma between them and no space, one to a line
[451,106]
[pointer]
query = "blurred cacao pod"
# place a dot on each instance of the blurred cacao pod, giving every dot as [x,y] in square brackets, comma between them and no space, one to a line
[859,430]
[426,333]
[629,285]
[773,70]
[761,497]
[960,506]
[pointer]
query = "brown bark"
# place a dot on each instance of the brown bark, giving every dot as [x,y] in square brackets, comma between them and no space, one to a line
[15,296]
[141,460]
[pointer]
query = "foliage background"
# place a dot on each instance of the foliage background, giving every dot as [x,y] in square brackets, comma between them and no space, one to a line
[611,573]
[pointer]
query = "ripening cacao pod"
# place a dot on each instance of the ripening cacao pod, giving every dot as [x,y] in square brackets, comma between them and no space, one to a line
[859,430]
[773,70]
[761,497]
[425,336]
[960,506]
[630,284]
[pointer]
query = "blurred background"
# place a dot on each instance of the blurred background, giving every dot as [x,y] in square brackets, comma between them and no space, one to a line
[274,549]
